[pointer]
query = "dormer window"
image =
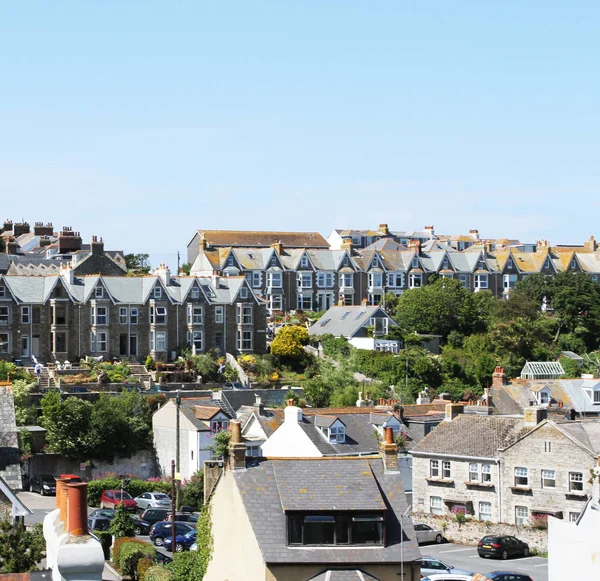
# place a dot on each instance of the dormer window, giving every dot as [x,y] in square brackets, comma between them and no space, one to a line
[374,262]
[157,294]
[243,293]
[415,262]
[337,435]
[195,292]
[304,261]
[218,425]
[445,264]
[573,264]
[543,397]
[340,528]
[2,291]
[229,261]
[99,292]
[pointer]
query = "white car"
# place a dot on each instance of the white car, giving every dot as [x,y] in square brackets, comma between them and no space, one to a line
[426,534]
[447,577]
[153,500]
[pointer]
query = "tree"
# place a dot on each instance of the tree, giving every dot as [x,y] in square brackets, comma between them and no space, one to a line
[185,268]
[68,425]
[122,524]
[289,341]
[25,410]
[138,264]
[442,307]
[192,492]
[20,549]
[220,446]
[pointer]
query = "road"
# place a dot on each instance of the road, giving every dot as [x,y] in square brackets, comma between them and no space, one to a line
[467,558]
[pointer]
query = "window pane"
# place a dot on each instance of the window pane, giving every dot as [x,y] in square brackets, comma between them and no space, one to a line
[366,532]
[319,532]
[295,529]
[342,526]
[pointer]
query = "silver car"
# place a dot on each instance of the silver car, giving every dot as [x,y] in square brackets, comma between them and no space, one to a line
[425,534]
[432,566]
[153,500]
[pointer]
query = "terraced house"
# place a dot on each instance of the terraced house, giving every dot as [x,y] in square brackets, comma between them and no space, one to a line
[298,271]
[65,317]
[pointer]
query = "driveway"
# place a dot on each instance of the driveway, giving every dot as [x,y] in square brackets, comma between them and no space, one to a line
[467,558]
[40,505]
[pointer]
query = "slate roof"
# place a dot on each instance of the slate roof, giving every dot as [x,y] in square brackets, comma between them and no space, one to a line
[259,487]
[587,432]
[321,486]
[472,436]
[343,575]
[264,239]
[189,406]
[347,321]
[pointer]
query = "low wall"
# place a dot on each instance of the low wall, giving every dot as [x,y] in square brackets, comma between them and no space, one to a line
[471,532]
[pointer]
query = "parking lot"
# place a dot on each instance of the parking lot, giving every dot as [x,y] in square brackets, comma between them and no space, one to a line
[467,558]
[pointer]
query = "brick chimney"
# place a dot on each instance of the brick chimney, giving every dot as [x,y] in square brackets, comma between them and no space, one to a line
[498,377]
[383,228]
[533,415]
[39,229]
[68,241]
[453,410]
[591,244]
[7,226]
[346,245]
[237,448]
[20,228]
[278,246]
[389,452]
[12,246]
[97,246]
[415,245]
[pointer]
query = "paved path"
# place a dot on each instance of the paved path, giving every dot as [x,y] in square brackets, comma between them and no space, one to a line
[467,558]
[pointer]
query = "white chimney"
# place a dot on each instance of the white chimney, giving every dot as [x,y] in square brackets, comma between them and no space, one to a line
[292,414]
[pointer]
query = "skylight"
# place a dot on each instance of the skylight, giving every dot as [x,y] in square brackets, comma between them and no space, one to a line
[345,315]
[323,323]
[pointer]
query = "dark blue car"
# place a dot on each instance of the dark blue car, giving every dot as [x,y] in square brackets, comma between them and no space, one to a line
[182,542]
[160,531]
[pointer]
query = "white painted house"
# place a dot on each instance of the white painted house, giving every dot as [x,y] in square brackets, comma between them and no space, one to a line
[199,420]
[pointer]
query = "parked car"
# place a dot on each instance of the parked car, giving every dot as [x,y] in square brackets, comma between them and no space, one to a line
[160,530]
[502,547]
[162,558]
[182,542]
[191,517]
[79,389]
[142,527]
[502,576]
[113,498]
[45,484]
[448,577]
[425,534]
[431,566]
[98,523]
[153,500]
[153,515]
[233,385]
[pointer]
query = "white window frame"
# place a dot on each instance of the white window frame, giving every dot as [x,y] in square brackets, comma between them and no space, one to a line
[446,470]
[474,472]
[2,291]
[99,292]
[4,315]
[304,280]
[521,516]
[99,341]
[375,280]
[304,263]
[244,292]
[195,314]
[464,280]
[123,315]
[97,318]
[337,435]
[25,315]
[485,515]
[486,473]
[275,302]
[158,315]
[346,279]
[195,292]
[196,338]
[414,278]
[576,481]
[436,505]
[219,315]
[414,263]
[244,340]
[158,340]
[395,279]
[134,315]
[521,474]
[5,346]
[434,469]
[574,516]
[509,281]
[481,281]
[324,279]
[548,478]
[304,301]
[256,278]
[275,279]
[157,292]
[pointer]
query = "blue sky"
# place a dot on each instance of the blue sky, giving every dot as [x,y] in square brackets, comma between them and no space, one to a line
[144,121]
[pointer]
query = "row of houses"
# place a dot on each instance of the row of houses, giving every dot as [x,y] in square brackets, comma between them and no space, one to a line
[62,316]
[297,270]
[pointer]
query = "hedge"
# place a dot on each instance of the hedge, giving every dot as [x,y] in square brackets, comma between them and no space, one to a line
[135,488]
[105,539]
[142,567]
[158,573]
[129,553]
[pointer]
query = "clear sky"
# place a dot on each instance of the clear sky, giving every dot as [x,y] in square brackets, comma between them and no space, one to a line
[144,121]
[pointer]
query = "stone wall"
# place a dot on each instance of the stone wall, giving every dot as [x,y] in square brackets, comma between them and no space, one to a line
[9,441]
[472,531]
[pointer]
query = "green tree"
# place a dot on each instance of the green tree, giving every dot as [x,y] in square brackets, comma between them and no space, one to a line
[220,446]
[20,549]
[67,423]
[122,524]
[25,410]
[442,307]
[289,342]
[138,264]
[185,268]
[192,492]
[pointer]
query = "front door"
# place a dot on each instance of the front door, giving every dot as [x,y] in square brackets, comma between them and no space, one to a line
[25,347]
[35,346]
[133,346]
[219,342]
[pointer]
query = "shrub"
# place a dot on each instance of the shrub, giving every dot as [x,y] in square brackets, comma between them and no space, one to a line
[220,447]
[150,362]
[142,567]
[122,525]
[130,554]
[158,573]
[192,492]
[184,566]
[538,521]
[105,539]
[135,487]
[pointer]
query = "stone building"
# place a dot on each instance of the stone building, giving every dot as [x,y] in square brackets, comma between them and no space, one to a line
[66,317]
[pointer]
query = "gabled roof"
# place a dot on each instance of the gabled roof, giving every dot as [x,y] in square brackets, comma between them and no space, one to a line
[259,489]
[471,436]
[346,321]
[263,239]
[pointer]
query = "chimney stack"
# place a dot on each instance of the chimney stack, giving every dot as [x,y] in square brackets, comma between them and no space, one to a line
[12,246]
[259,406]
[389,452]
[498,377]
[429,230]
[237,448]
[97,246]
[203,243]
[453,410]
[77,509]
[291,413]
[383,228]
[533,415]
[278,246]
[68,241]
[20,228]
[591,244]
[415,245]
